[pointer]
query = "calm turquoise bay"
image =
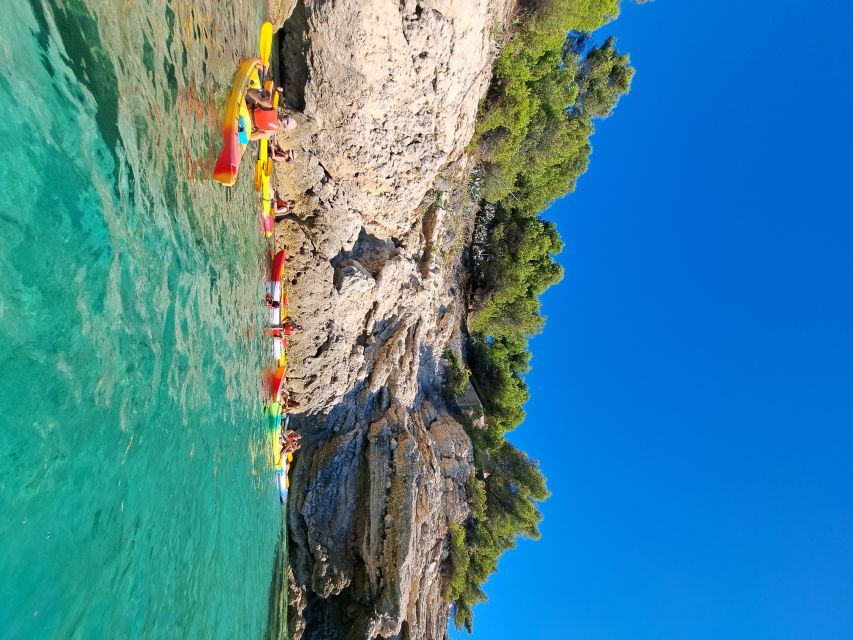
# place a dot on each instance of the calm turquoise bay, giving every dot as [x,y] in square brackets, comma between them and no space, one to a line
[136,499]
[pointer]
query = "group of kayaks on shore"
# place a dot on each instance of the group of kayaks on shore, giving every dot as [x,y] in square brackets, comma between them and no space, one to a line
[283,440]
[251,115]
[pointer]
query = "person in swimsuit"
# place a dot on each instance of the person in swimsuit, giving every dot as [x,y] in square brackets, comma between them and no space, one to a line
[283,206]
[280,155]
[259,98]
[287,402]
[289,328]
[291,436]
[289,447]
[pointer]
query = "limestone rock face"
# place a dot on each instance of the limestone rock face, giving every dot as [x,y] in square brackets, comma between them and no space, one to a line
[279,10]
[385,93]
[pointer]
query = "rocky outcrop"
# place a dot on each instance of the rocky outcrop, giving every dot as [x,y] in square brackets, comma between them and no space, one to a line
[385,93]
[278,11]
[368,527]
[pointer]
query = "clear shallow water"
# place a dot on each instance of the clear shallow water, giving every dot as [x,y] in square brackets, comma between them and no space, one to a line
[135,493]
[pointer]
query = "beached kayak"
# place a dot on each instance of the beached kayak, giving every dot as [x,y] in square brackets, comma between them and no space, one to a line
[274,287]
[279,349]
[275,423]
[267,217]
[280,463]
[263,173]
[282,480]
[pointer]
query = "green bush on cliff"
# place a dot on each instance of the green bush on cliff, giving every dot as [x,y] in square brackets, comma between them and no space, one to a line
[456,376]
[525,170]
[604,77]
[459,561]
[528,162]
[532,138]
[534,129]
[504,507]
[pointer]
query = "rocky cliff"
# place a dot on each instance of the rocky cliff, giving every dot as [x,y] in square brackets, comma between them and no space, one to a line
[385,93]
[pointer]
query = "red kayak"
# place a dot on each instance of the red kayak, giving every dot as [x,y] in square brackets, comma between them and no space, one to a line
[277,271]
[276,383]
[274,288]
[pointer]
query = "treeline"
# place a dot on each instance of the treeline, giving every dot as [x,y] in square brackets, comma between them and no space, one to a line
[533,143]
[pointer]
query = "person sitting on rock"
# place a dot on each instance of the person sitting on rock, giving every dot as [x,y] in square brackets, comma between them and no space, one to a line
[291,436]
[283,206]
[289,447]
[280,155]
[287,402]
[288,328]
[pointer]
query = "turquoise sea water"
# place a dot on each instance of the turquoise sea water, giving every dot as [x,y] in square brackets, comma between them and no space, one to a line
[136,499]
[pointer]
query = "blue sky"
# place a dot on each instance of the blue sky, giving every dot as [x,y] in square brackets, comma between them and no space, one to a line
[693,390]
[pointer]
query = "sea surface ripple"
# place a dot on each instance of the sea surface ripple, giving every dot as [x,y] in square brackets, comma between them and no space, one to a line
[136,499]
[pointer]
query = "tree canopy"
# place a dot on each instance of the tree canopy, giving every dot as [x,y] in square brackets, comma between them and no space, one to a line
[532,138]
[604,77]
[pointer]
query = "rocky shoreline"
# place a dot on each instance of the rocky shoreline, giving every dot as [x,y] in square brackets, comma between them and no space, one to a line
[386,96]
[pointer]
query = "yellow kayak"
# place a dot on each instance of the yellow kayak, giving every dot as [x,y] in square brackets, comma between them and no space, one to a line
[237,126]
[238,123]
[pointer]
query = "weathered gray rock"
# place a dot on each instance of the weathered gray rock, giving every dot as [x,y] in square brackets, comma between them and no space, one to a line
[352,279]
[279,10]
[388,93]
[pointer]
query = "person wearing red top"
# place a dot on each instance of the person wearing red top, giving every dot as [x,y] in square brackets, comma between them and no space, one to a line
[265,115]
[289,328]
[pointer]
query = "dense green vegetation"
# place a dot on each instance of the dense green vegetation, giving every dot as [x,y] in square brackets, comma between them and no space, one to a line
[533,142]
[503,507]
[459,562]
[456,376]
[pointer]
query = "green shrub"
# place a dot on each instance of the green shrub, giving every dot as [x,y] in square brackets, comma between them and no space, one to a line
[456,376]
[477,498]
[534,127]
[503,508]
[536,132]
[532,138]
[459,561]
